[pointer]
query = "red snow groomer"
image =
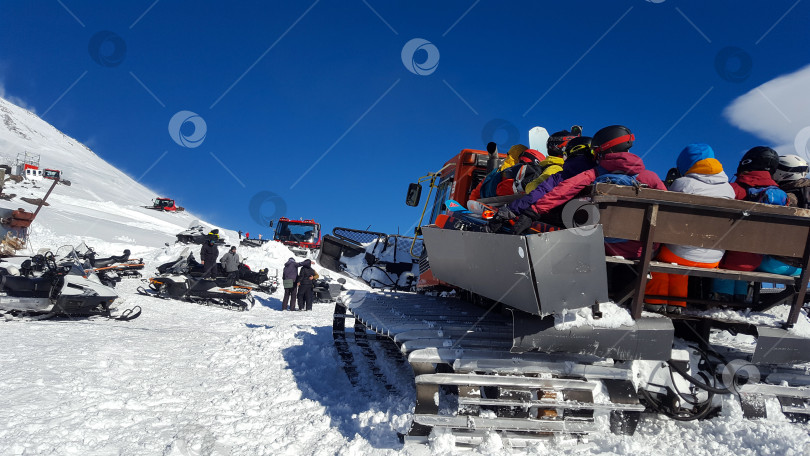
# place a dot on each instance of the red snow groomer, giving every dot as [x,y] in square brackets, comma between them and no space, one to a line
[299,235]
[549,333]
[164,204]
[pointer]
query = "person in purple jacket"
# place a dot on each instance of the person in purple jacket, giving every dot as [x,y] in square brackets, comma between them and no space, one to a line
[290,277]
[579,157]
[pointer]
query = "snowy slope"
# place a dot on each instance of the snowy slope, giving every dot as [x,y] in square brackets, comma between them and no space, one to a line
[102,204]
[186,379]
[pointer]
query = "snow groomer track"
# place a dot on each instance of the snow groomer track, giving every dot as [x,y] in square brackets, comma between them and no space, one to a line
[453,345]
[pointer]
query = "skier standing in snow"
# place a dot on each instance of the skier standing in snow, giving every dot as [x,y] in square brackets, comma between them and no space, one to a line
[306,282]
[208,255]
[290,279]
[230,262]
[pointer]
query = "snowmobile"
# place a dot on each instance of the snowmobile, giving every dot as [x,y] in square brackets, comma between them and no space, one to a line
[201,291]
[325,290]
[112,269]
[261,279]
[547,334]
[186,264]
[182,279]
[196,234]
[46,287]
[252,242]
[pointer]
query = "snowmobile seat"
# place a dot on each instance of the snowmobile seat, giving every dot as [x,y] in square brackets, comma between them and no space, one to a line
[196,286]
[103,262]
[27,287]
[169,287]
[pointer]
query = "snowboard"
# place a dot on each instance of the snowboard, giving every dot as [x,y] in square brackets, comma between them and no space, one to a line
[538,136]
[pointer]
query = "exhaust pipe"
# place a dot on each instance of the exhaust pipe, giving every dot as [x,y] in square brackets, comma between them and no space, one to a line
[492,160]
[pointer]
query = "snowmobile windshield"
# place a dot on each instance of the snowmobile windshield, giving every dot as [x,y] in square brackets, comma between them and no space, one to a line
[83,250]
[67,258]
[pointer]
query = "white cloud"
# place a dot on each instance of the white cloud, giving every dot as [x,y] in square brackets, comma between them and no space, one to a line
[16,100]
[778,111]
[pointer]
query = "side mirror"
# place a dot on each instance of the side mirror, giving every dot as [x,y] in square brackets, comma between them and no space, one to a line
[414,193]
[271,224]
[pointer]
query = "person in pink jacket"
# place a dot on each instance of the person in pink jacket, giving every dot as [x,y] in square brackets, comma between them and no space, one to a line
[611,146]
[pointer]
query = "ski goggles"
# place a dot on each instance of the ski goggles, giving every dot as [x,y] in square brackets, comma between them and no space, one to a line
[581,149]
[794,169]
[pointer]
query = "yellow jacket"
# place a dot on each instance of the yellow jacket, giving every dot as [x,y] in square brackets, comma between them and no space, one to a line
[551,165]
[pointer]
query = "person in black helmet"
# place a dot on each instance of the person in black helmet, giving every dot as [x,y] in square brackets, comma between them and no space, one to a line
[611,146]
[579,157]
[790,175]
[555,145]
[754,183]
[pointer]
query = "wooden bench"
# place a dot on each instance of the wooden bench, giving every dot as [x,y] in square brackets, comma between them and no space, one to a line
[655,216]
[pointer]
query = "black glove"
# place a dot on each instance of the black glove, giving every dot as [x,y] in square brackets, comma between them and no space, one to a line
[523,223]
[504,213]
[494,225]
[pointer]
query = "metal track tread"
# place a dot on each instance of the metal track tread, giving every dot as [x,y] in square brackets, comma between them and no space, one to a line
[546,403]
[533,394]
[361,338]
[506,424]
[342,345]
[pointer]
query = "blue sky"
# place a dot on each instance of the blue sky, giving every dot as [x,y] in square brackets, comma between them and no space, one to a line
[308,108]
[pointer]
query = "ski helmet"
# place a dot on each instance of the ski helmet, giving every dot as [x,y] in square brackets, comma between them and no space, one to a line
[760,158]
[790,168]
[615,138]
[531,156]
[581,145]
[556,142]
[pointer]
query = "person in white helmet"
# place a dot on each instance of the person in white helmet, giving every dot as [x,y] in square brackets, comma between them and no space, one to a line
[790,175]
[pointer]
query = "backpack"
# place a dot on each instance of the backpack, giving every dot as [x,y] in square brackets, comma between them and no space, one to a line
[490,184]
[767,195]
[603,176]
[527,174]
